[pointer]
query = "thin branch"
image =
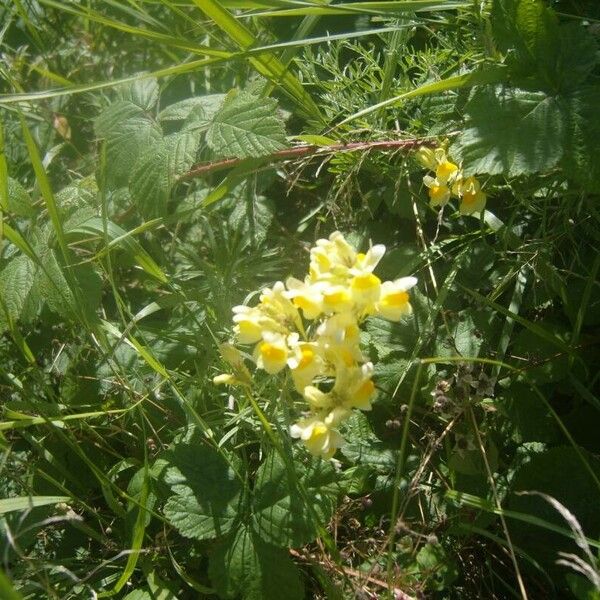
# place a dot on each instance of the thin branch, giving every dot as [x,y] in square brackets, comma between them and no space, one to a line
[206,168]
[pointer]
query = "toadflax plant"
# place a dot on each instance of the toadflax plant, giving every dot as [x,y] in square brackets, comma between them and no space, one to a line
[312,327]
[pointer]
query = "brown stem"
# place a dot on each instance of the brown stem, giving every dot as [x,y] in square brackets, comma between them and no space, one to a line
[206,168]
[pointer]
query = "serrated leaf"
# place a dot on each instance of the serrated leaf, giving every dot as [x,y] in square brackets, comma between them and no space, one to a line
[78,195]
[54,288]
[244,566]
[142,93]
[128,132]
[281,514]
[206,497]
[390,338]
[157,170]
[364,447]
[18,291]
[19,201]
[490,142]
[246,127]
[582,144]
[527,26]
[197,111]
[252,216]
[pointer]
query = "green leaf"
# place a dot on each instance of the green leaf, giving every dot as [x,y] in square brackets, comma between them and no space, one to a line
[252,216]
[28,502]
[141,92]
[544,363]
[528,27]
[18,290]
[128,132]
[78,195]
[365,448]
[157,171]
[197,111]
[281,514]
[55,288]
[244,566]
[19,201]
[490,142]
[582,144]
[439,569]
[206,491]
[388,338]
[246,127]
[559,473]
[525,417]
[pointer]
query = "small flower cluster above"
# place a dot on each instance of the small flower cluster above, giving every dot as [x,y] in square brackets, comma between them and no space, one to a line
[311,327]
[449,181]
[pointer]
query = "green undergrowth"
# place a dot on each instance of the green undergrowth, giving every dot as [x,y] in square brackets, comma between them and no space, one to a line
[161,161]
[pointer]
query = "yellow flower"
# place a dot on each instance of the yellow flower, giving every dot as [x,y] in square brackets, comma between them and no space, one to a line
[272,353]
[446,171]
[318,434]
[305,364]
[249,324]
[439,193]
[365,289]
[306,296]
[353,386]
[336,298]
[473,199]
[394,302]
[426,156]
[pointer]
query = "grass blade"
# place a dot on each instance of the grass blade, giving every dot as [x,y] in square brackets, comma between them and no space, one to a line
[266,64]
[27,502]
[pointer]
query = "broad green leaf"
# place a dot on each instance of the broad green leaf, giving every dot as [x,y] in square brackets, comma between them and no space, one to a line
[197,111]
[559,473]
[206,493]
[437,567]
[490,142]
[55,288]
[467,334]
[470,461]
[525,417]
[527,26]
[582,144]
[244,566]
[141,92]
[128,132]
[156,172]
[19,201]
[281,514]
[27,502]
[18,290]
[78,195]
[390,338]
[363,446]
[252,216]
[246,127]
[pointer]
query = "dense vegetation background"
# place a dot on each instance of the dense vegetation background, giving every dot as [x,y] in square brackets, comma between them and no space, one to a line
[160,161]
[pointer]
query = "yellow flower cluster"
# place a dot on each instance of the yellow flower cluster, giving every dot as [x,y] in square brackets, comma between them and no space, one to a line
[449,182]
[311,327]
